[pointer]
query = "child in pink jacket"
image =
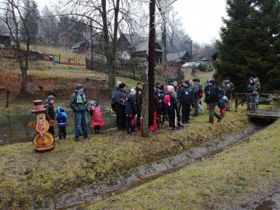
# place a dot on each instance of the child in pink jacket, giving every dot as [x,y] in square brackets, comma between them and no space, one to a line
[97,116]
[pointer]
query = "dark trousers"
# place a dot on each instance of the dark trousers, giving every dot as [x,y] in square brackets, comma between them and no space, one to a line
[51,130]
[139,112]
[97,129]
[178,112]
[171,117]
[186,110]
[80,119]
[162,114]
[62,132]
[130,123]
[121,121]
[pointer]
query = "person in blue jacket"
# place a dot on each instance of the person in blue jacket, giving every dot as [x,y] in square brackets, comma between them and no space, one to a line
[61,118]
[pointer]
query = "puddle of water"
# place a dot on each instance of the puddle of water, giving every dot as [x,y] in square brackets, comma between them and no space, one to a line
[14,128]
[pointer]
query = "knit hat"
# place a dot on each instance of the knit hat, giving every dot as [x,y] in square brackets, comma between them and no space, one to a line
[170,81]
[118,83]
[170,88]
[122,85]
[132,92]
[187,82]
[50,97]
[196,80]
[79,86]
[93,103]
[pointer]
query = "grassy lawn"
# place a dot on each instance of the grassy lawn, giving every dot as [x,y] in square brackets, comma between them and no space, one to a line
[26,176]
[230,178]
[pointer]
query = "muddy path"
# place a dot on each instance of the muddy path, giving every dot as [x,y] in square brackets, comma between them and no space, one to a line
[88,194]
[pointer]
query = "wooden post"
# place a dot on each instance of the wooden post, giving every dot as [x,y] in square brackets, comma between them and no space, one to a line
[145,108]
[151,61]
[7,98]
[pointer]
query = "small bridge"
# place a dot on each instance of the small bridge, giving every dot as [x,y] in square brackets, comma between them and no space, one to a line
[264,114]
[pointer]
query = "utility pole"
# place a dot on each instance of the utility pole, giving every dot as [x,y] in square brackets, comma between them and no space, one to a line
[151,61]
[91,45]
[191,50]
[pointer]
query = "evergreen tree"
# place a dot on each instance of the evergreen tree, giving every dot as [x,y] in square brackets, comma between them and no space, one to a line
[31,18]
[250,42]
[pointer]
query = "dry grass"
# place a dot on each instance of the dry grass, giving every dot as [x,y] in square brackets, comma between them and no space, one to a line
[230,178]
[27,176]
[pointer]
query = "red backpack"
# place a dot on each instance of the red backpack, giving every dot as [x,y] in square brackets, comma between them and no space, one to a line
[167,100]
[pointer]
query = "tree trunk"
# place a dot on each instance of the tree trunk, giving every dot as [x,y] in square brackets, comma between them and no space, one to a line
[151,61]
[110,50]
[24,80]
[164,42]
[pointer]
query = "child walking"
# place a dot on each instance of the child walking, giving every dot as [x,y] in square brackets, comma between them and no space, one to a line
[61,118]
[97,116]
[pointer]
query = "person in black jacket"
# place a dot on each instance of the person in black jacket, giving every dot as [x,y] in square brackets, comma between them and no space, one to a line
[186,101]
[50,113]
[212,93]
[118,102]
[130,111]
[253,92]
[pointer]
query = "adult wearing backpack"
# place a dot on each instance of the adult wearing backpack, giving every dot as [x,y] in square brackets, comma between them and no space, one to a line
[212,98]
[78,104]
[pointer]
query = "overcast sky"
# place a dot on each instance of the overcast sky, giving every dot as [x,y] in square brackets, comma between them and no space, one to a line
[202,19]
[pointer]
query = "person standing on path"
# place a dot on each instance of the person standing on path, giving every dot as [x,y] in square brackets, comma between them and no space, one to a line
[228,88]
[78,104]
[212,98]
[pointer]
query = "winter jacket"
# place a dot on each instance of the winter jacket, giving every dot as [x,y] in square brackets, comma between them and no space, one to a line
[118,97]
[228,88]
[78,102]
[139,98]
[211,94]
[197,90]
[170,101]
[252,88]
[130,105]
[97,117]
[50,113]
[187,95]
[61,117]
[222,102]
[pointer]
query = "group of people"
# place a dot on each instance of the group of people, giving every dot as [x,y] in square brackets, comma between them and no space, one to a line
[173,103]
[80,108]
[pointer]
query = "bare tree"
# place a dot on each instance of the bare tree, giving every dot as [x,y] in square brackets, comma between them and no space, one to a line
[14,19]
[106,16]
[164,7]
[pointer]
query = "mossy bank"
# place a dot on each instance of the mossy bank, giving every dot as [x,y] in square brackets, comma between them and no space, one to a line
[27,176]
[231,179]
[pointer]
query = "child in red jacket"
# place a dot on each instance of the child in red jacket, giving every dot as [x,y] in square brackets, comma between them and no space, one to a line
[97,116]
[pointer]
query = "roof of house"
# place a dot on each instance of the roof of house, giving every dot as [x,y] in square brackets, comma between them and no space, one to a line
[175,56]
[140,43]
